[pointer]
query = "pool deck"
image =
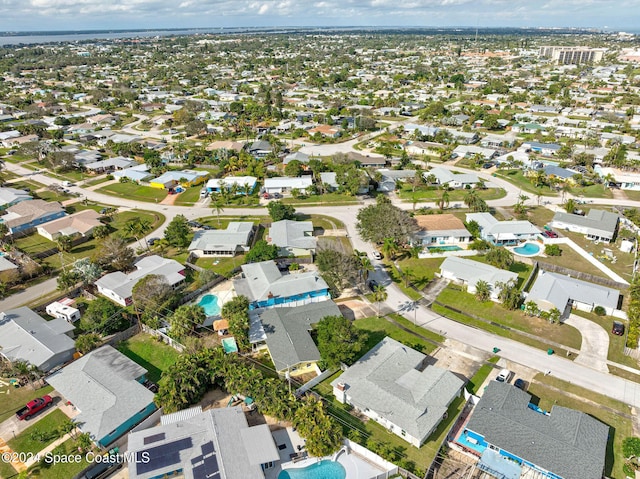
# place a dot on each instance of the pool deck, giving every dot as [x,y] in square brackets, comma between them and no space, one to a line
[224,292]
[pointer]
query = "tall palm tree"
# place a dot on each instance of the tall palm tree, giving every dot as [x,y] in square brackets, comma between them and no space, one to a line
[444,200]
[138,227]
[379,295]
[217,202]
[483,291]
[390,248]
[364,266]
[570,205]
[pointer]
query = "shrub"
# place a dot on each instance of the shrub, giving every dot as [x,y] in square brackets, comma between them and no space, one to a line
[552,250]
[600,311]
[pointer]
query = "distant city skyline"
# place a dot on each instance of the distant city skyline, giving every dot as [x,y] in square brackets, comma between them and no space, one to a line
[50,15]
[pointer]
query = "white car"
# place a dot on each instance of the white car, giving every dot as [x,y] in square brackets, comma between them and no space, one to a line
[376,255]
[504,376]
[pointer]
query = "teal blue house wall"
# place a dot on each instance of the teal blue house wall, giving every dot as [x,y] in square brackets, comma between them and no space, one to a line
[127,425]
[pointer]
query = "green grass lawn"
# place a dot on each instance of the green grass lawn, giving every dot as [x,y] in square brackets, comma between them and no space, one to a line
[517,178]
[153,355]
[434,194]
[23,442]
[421,271]
[34,243]
[620,425]
[463,301]
[49,195]
[60,470]
[7,471]
[96,181]
[632,195]
[222,266]
[593,191]
[379,328]
[539,215]
[134,192]
[327,198]
[15,399]
[402,283]
[29,184]
[189,196]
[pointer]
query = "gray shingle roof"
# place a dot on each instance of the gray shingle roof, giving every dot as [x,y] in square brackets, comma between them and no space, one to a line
[392,381]
[600,222]
[568,442]
[292,234]
[239,449]
[286,331]
[237,234]
[264,279]
[473,271]
[558,289]
[11,195]
[26,336]
[102,385]
[491,226]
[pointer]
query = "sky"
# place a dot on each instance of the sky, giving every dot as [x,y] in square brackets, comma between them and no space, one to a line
[47,15]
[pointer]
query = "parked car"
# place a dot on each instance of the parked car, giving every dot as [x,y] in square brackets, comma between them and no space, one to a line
[204,193]
[504,376]
[152,241]
[67,183]
[266,196]
[520,384]
[618,328]
[34,407]
[107,465]
[277,196]
[194,224]
[377,255]
[486,166]
[549,234]
[372,284]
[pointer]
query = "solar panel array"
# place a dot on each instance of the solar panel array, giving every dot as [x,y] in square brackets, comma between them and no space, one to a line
[206,466]
[162,456]
[154,438]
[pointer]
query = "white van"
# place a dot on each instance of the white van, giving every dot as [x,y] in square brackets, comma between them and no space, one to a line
[504,376]
[67,184]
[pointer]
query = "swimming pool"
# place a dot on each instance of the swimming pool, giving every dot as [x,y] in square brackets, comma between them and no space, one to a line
[527,249]
[320,470]
[210,304]
[444,248]
[229,345]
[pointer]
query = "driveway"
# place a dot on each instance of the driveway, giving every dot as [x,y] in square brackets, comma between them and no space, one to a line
[595,343]
[12,427]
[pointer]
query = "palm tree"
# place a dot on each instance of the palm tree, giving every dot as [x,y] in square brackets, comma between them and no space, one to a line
[138,227]
[483,291]
[65,243]
[444,200]
[364,266]
[606,179]
[570,205]
[379,295]
[217,201]
[390,248]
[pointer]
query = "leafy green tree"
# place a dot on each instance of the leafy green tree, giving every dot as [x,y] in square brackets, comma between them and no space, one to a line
[570,205]
[101,231]
[483,291]
[500,257]
[552,250]
[67,279]
[104,316]
[338,341]
[338,269]
[281,211]
[475,203]
[88,342]
[184,321]
[178,232]
[151,293]
[474,228]
[509,294]
[322,432]
[631,447]
[65,243]
[113,253]
[217,202]
[293,168]
[86,271]
[531,308]
[138,227]
[443,202]
[236,312]
[383,220]
[262,251]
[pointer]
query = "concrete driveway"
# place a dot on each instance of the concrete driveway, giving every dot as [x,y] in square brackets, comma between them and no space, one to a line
[595,343]
[12,427]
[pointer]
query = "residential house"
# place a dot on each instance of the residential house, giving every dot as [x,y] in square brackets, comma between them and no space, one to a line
[285,184]
[23,217]
[266,286]
[80,224]
[423,130]
[243,184]
[511,434]
[329,181]
[367,161]
[452,179]
[327,131]
[225,146]
[470,151]
[135,173]
[597,225]
[236,239]
[217,444]
[294,238]
[118,286]
[9,272]
[15,141]
[395,386]
[286,333]
[463,137]
[553,290]
[545,149]
[390,179]
[501,233]
[25,336]
[259,148]
[297,156]
[468,272]
[184,178]
[106,387]
[423,148]
[625,180]
[437,231]
[111,164]
[553,171]
[12,196]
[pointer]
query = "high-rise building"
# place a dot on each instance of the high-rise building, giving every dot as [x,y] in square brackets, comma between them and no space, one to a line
[572,55]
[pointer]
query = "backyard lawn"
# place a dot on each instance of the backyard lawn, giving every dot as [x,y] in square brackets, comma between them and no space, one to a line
[327,198]
[7,471]
[134,192]
[153,355]
[43,470]
[222,266]
[48,425]
[614,414]
[14,399]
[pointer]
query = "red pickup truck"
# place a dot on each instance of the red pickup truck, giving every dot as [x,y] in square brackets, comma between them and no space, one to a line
[33,407]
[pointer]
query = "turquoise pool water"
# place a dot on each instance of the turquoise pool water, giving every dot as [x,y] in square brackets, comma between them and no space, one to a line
[229,345]
[444,248]
[209,303]
[320,470]
[528,249]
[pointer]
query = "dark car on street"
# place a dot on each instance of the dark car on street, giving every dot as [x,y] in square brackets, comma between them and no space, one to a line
[520,384]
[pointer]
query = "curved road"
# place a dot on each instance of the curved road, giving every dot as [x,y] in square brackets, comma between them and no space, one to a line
[570,371]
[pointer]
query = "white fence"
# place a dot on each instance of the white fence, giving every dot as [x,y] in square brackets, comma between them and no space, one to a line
[313,382]
[389,468]
[165,339]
